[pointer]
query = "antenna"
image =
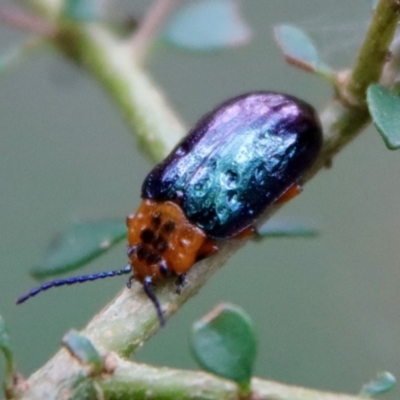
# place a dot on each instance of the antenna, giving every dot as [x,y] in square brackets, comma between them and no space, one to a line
[73,280]
[148,287]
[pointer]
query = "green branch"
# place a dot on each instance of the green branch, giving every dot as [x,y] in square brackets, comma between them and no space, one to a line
[374,51]
[131,381]
[113,63]
[347,114]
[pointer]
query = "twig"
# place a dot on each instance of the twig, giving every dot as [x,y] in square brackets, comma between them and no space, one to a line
[374,51]
[150,26]
[18,18]
[17,53]
[390,70]
[152,121]
[130,380]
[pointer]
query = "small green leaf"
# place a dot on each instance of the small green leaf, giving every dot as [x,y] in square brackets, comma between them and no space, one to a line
[224,343]
[5,348]
[5,345]
[83,350]
[384,382]
[82,10]
[11,57]
[286,229]
[299,50]
[80,244]
[384,108]
[208,25]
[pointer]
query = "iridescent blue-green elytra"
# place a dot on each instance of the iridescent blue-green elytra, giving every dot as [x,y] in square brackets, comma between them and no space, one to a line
[237,160]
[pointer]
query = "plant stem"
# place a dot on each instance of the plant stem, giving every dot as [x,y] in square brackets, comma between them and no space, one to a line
[110,61]
[132,380]
[374,51]
[22,20]
[150,26]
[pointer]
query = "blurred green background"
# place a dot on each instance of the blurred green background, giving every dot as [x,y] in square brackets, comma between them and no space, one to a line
[327,309]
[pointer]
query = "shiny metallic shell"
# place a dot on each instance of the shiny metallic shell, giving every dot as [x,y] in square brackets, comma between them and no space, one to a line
[237,160]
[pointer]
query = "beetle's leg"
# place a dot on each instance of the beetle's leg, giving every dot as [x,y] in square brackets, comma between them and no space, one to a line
[180,283]
[129,281]
[148,287]
[207,249]
[246,233]
[164,269]
[290,194]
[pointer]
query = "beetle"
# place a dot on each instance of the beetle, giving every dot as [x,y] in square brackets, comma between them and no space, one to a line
[245,155]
